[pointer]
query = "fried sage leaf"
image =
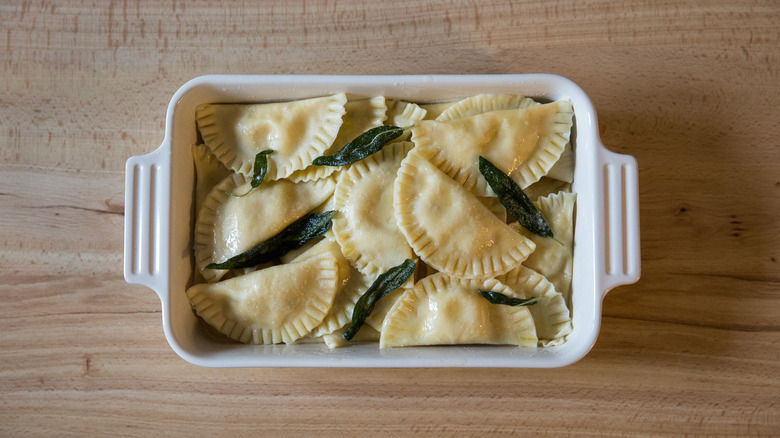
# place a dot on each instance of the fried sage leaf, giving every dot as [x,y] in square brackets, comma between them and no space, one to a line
[259,170]
[293,237]
[365,144]
[511,196]
[499,298]
[383,285]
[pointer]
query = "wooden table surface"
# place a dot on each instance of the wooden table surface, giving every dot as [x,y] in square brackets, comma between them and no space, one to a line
[691,89]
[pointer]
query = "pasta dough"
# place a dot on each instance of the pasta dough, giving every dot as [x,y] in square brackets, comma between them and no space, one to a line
[523,143]
[434,110]
[444,310]
[552,259]
[273,305]
[546,186]
[365,226]
[208,173]
[423,199]
[484,103]
[563,169]
[352,286]
[336,339]
[229,225]
[449,228]
[361,115]
[551,316]
[404,114]
[297,132]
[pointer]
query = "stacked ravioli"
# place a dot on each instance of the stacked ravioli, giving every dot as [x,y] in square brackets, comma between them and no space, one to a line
[420,197]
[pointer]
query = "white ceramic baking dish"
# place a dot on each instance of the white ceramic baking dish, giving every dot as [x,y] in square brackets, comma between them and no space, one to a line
[159,221]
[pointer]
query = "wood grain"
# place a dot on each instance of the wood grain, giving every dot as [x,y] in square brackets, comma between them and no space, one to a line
[689,89]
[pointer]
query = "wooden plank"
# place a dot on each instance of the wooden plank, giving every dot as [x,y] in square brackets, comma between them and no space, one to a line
[689,89]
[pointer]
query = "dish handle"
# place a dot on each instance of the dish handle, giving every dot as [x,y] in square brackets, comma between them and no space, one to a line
[146,204]
[620,186]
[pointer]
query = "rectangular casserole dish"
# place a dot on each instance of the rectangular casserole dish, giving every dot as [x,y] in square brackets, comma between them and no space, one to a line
[159,220]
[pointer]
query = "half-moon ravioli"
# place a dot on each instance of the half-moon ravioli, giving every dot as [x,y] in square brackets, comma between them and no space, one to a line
[228,225]
[449,228]
[365,226]
[361,115]
[296,131]
[563,169]
[377,317]
[208,173]
[546,186]
[336,339]
[551,316]
[353,285]
[524,143]
[434,109]
[444,310]
[403,114]
[552,259]
[494,205]
[483,103]
[273,305]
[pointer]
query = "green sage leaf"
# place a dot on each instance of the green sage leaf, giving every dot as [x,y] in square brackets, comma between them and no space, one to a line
[261,167]
[293,237]
[365,144]
[383,285]
[499,298]
[512,197]
[259,170]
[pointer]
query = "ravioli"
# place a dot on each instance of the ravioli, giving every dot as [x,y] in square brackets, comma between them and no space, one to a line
[208,173]
[494,205]
[552,259]
[524,143]
[365,226]
[275,305]
[336,339]
[483,103]
[551,315]
[434,109]
[563,169]
[377,317]
[442,310]
[546,186]
[403,114]
[449,228]
[353,285]
[229,225]
[361,115]
[296,131]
